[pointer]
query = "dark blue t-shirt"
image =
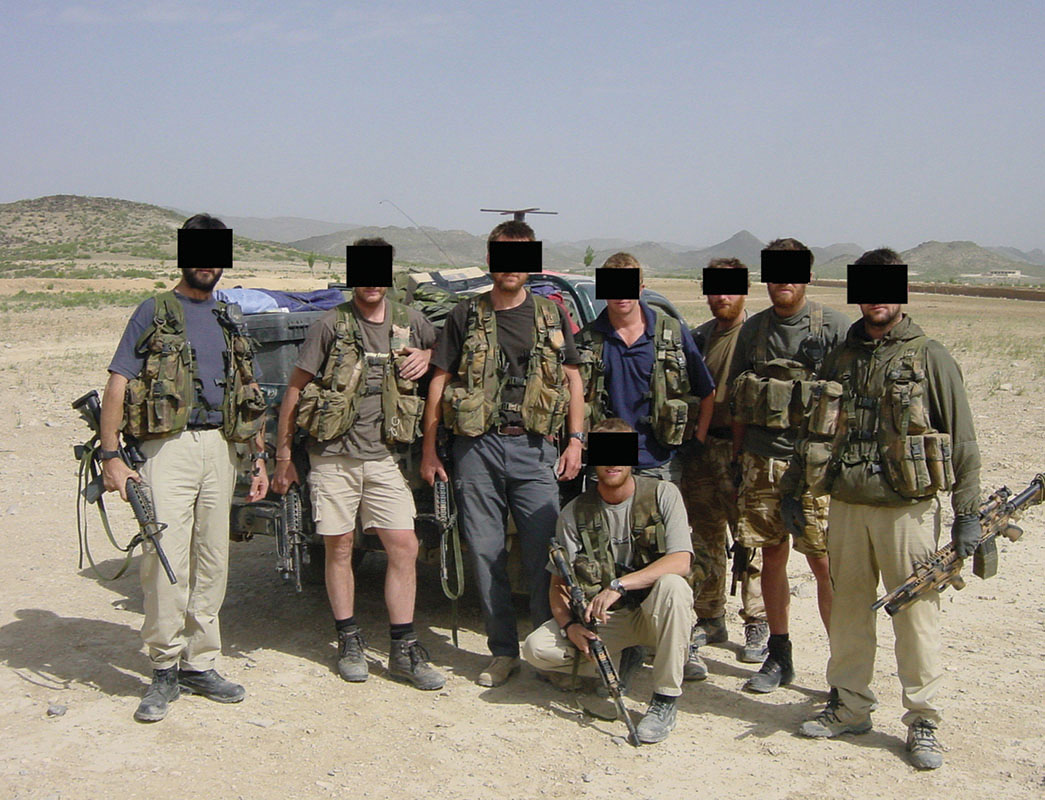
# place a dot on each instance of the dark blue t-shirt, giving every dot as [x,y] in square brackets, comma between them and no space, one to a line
[206,339]
[627,372]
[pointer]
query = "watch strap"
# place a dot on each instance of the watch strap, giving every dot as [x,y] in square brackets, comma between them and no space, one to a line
[108,455]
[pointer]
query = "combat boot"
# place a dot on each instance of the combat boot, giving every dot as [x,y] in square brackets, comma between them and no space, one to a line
[658,723]
[163,690]
[777,670]
[695,669]
[925,751]
[755,636]
[351,661]
[827,725]
[714,629]
[408,662]
[208,683]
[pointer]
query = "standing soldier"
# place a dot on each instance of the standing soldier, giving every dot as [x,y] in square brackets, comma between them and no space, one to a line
[354,389]
[182,381]
[890,428]
[777,353]
[707,487]
[505,381]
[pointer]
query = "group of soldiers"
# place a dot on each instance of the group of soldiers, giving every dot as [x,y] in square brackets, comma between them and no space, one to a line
[752,431]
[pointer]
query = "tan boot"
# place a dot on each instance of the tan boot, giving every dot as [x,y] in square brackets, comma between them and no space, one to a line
[498,671]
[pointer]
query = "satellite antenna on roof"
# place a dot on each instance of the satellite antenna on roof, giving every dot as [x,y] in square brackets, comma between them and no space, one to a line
[519,214]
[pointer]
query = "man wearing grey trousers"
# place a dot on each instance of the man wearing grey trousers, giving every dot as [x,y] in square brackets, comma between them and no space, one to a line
[505,383]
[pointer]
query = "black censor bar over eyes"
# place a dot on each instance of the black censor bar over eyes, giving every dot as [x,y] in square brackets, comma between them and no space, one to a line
[515,256]
[787,266]
[368,265]
[613,449]
[882,283]
[204,249]
[716,280]
[617,284]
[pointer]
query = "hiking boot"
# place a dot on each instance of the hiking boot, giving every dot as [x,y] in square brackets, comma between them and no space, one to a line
[211,685]
[498,671]
[756,635]
[923,746]
[408,661]
[714,629]
[658,723]
[163,690]
[695,669]
[833,700]
[777,670]
[351,661]
[827,725]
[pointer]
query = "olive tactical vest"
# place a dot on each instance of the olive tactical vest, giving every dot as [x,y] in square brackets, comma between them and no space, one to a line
[329,404]
[472,398]
[160,400]
[877,418]
[669,394]
[775,393]
[594,564]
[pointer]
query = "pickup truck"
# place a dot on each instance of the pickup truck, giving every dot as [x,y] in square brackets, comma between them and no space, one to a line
[299,551]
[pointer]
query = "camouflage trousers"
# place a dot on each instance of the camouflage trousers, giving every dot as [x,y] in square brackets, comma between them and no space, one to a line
[707,489]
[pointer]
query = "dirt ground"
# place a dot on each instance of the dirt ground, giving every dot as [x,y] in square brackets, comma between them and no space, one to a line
[69,643]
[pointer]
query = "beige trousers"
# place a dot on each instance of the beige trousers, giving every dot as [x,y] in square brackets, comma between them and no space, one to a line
[863,542]
[191,476]
[663,621]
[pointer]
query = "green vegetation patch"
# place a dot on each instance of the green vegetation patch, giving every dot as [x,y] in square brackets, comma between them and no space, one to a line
[29,301]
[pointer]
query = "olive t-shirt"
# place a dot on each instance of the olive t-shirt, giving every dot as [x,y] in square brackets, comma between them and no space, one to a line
[789,337]
[363,440]
[717,347]
[514,340]
[618,518]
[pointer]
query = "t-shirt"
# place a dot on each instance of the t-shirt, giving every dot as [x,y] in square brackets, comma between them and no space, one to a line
[717,347]
[363,440]
[626,372]
[514,340]
[787,339]
[207,340]
[618,518]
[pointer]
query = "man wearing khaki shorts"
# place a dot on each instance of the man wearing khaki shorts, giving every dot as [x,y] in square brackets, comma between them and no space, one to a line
[776,350]
[354,472]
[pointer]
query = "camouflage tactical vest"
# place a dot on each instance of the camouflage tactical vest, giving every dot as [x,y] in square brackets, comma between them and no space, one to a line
[671,403]
[160,400]
[776,392]
[472,398]
[877,418]
[594,565]
[329,403]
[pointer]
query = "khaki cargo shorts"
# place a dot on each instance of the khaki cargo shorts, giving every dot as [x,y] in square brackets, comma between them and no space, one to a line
[760,524]
[342,488]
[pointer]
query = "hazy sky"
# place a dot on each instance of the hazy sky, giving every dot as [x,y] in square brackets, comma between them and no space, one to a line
[879,123]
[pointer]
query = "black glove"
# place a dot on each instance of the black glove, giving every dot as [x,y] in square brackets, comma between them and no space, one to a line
[965,534]
[691,449]
[793,516]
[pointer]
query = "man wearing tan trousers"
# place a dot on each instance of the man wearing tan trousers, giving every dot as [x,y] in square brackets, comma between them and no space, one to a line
[888,428]
[182,381]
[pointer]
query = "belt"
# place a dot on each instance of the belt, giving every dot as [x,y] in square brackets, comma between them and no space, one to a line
[721,433]
[510,430]
[202,427]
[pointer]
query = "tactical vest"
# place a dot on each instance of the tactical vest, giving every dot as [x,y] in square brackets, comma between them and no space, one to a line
[775,392]
[329,403]
[877,418]
[472,398]
[594,564]
[671,403]
[160,400]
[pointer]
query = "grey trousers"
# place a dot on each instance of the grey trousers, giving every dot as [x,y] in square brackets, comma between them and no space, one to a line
[492,475]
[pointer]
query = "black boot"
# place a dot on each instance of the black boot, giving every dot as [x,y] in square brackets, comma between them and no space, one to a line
[163,690]
[208,683]
[777,670]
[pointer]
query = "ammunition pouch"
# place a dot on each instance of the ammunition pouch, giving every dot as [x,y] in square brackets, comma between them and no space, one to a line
[906,464]
[825,405]
[818,468]
[324,414]
[465,411]
[669,422]
[401,407]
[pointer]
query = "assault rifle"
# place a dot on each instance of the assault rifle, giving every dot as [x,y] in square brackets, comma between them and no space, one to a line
[943,568]
[578,605]
[91,487]
[741,560]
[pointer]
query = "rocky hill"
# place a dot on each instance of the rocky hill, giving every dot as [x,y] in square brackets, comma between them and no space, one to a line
[945,262]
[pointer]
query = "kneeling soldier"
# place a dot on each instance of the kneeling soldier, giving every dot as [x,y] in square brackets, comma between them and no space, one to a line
[354,389]
[630,546]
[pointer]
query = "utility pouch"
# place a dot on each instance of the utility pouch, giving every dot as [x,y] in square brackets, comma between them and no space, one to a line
[135,413]
[825,405]
[801,396]
[465,411]
[906,403]
[816,456]
[589,574]
[778,403]
[402,413]
[248,409]
[938,461]
[905,467]
[670,424]
[164,405]
[544,405]
[323,413]
[745,399]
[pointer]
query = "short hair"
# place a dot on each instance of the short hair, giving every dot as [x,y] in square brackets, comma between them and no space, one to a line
[512,229]
[203,222]
[373,241]
[726,263]
[612,425]
[881,257]
[624,261]
[786,244]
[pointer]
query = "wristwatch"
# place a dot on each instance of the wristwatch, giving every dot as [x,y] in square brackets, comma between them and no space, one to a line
[263,456]
[566,627]
[617,586]
[580,437]
[108,455]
